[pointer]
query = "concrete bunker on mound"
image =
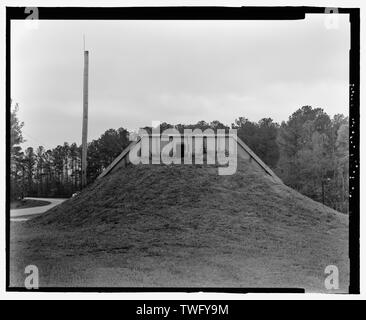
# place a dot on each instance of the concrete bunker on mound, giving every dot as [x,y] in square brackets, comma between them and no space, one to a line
[150,148]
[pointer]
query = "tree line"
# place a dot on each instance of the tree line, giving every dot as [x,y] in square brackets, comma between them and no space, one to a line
[309,152]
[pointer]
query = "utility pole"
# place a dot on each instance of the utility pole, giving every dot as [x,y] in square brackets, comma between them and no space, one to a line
[85,120]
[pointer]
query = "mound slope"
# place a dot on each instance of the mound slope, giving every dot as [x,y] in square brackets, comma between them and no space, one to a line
[183,225]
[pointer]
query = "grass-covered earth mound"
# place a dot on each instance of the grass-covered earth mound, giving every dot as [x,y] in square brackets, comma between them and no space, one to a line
[183,226]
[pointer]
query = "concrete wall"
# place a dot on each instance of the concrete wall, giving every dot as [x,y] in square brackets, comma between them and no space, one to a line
[151,148]
[191,146]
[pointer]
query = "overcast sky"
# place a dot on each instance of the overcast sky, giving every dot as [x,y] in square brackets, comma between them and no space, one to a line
[173,71]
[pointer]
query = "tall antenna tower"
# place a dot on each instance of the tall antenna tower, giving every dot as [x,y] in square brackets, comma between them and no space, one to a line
[85,119]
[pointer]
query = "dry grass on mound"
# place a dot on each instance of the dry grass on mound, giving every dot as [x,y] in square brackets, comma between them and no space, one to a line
[184,226]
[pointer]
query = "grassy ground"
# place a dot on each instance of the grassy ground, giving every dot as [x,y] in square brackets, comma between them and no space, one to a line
[28,203]
[183,226]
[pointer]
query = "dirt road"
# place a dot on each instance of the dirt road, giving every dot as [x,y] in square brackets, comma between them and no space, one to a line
[24,213]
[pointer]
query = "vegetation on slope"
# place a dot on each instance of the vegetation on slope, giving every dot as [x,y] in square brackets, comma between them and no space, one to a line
[184,226]
[309,152]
